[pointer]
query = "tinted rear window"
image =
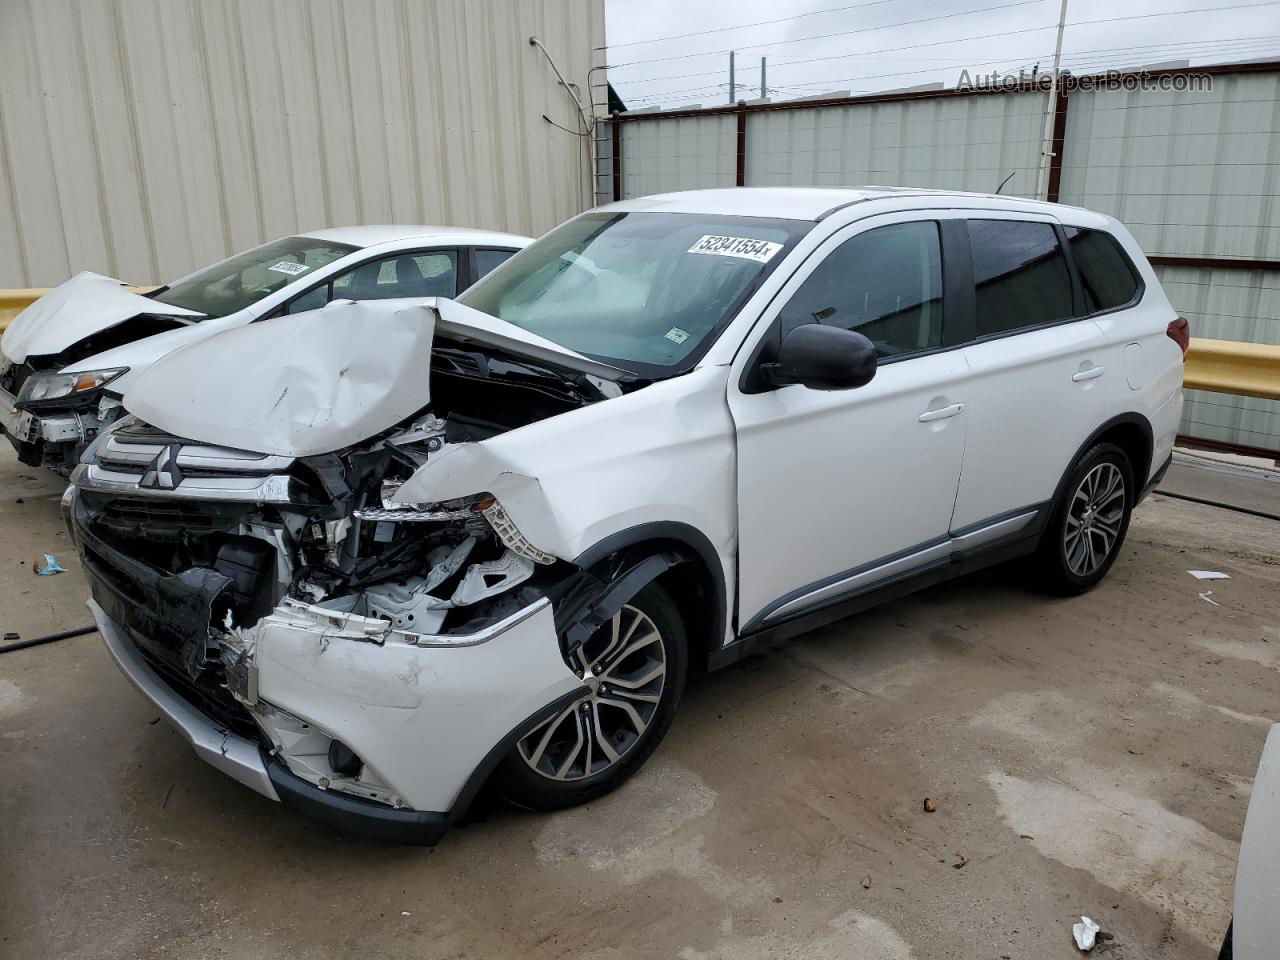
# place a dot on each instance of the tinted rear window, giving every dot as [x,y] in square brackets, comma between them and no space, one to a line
[1107,276]
[1020,275]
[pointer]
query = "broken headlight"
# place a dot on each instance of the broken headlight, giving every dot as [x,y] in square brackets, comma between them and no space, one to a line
[485,505]
[55,386]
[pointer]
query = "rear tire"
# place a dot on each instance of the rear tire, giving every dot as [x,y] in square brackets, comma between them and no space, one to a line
[635,667]
[1088,524]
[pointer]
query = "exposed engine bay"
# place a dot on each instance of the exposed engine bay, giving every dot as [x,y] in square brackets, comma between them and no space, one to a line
[189,547]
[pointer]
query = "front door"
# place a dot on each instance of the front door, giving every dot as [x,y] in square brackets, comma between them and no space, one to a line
[839,490]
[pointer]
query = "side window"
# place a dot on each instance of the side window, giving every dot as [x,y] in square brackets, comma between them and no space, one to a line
[886,284]
[313,299]
[431,274]
[1020,274]
[1107,275]
[488,260]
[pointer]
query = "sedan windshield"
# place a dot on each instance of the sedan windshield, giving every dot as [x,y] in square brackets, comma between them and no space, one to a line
[246,278]
[649,292]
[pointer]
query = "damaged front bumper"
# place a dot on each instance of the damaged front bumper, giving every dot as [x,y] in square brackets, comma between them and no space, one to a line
[419,721]
[53,438]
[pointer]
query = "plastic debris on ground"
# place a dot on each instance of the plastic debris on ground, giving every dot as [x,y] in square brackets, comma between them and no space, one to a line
[1209,575]
[1085,932]
[1208,596]
[47,566]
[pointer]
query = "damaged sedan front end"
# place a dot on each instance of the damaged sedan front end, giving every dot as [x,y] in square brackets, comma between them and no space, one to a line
[364,659]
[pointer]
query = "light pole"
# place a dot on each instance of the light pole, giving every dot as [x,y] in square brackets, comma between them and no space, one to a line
[1046,146]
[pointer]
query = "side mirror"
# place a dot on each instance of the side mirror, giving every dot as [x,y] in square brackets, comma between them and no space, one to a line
[823,358]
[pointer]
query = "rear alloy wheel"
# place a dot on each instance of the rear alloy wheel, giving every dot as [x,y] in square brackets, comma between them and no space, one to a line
[634,669]
[1089,522]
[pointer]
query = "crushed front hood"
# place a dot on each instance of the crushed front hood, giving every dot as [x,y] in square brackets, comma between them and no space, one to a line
[316,382]
[295,385]
[86,304]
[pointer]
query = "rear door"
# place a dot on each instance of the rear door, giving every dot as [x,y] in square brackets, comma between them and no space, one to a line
[839,490]
[1039,377]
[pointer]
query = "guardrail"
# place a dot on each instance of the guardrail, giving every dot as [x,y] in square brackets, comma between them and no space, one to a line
[1222,366]
[1229,366]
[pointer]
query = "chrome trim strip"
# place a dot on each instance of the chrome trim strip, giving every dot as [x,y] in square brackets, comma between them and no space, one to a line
[371,628]
[193,456]
[235,756]
[273,488]
[992,531]
[854,580]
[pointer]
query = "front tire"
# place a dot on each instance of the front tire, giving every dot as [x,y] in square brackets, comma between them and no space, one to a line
[1088,524]
[635,668]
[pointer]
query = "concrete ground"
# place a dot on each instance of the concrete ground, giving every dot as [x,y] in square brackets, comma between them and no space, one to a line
[1087,756]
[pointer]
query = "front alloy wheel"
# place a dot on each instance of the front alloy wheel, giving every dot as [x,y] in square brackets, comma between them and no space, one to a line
[624,666]
[633,669]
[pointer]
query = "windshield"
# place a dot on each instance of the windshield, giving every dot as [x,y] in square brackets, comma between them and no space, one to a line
[246,278]
[648,292]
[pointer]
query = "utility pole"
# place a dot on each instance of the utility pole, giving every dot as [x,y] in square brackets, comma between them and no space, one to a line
[764,89]
[1046,146]
[732,89]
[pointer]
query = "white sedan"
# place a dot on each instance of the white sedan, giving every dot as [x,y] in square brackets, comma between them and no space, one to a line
[66,359]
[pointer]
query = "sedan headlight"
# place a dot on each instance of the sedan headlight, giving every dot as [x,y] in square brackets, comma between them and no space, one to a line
[54,386]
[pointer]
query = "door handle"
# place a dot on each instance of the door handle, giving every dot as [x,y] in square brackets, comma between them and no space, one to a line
[1091,374]
[942,413]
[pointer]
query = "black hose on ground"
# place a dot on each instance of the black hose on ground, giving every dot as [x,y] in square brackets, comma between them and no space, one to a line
[36,641]
[1224,506]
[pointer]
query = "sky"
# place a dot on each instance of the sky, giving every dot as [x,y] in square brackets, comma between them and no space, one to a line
[673,53]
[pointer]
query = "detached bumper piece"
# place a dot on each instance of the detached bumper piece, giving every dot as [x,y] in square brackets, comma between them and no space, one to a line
[351,815]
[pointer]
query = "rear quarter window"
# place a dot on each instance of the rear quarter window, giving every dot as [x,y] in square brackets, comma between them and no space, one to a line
[1020,275]
[1107,275]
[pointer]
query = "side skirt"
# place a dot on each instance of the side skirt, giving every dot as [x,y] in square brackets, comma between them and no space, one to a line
[958,564]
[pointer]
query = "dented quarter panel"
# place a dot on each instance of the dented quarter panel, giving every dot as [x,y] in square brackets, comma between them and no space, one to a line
[83,305]
[419,717]
[662,453]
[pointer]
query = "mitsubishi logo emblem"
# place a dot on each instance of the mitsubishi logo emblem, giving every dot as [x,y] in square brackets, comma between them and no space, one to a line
[163,472]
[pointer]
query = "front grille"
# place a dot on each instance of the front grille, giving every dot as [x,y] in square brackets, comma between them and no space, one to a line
[127,520]
[165,516]
[209,695]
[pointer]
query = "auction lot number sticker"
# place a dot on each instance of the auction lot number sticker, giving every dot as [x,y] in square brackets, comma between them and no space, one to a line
[761,251]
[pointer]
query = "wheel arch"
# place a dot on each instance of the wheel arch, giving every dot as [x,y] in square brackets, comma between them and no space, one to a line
[1133,434]
[701,598]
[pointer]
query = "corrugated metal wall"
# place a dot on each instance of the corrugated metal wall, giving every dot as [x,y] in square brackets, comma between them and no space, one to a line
[969,143]
[144,138]
[1192,173]
[680,154]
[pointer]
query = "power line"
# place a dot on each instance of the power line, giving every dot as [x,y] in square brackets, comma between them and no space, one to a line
[744,26]
[1083,60]
[1074,23]
[828,36]
[1225,46]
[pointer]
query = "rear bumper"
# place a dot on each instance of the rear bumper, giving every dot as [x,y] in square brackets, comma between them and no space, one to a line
[1156,478]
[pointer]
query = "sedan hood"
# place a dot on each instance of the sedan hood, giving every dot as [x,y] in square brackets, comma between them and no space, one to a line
[320,381]
[86,304]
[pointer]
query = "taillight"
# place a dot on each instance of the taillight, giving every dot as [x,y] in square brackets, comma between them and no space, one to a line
[1179,332]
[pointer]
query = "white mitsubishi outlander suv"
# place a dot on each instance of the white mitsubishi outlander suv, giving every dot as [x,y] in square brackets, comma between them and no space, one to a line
[371,557]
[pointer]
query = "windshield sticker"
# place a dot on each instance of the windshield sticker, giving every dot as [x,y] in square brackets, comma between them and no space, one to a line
[289,267]
[676,335]
[761,251]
